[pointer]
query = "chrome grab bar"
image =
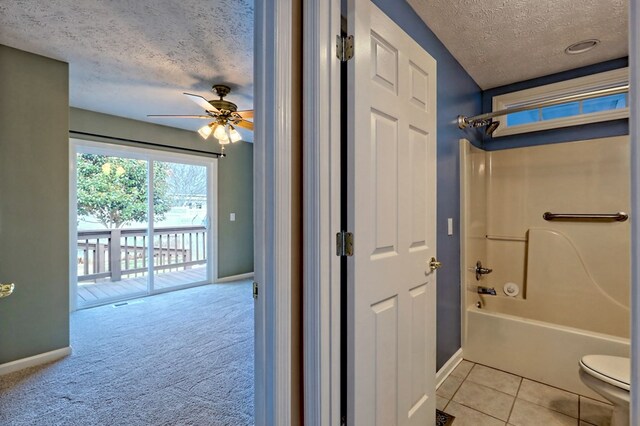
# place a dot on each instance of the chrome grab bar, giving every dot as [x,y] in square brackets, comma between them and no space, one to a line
[586,217]
[6,290]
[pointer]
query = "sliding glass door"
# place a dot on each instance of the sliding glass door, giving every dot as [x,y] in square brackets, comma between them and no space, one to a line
[180,223]
[142,222]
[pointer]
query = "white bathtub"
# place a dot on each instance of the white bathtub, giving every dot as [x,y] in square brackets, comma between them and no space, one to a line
[533,349]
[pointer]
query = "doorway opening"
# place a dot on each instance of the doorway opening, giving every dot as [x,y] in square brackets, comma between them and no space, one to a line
[144,222]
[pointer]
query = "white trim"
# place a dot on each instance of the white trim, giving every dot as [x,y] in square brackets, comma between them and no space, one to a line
[35,360]
[448,367]
[73,226]
[321,213]
[151,276]
[272,210]
[634,132]
[463,145]
[238,277]
[562,88]
[212,222]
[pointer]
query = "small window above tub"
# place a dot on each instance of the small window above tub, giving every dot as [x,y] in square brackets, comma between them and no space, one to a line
[602,108]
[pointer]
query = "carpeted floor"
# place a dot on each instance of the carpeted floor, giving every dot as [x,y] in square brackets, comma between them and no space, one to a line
[181,358]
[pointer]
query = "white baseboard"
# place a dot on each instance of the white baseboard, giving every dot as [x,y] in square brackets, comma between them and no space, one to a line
[235,278]
[448,367]
[32,361]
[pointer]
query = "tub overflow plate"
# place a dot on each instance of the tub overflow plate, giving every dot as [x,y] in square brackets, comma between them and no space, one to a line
[511,289]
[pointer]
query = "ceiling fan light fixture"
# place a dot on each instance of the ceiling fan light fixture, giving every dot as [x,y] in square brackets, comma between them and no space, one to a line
[205,131]
[219,132]
[222,115]
[234,135]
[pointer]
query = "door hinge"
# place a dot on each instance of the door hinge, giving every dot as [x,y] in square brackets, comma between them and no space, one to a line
[255,290]
[343,421]
[344,47]
[344,243]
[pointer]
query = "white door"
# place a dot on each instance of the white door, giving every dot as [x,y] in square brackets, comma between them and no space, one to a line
[392,213]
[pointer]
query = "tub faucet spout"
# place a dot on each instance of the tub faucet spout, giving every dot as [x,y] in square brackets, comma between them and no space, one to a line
[487,290]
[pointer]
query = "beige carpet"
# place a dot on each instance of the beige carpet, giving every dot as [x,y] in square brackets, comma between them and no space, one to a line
[181,358]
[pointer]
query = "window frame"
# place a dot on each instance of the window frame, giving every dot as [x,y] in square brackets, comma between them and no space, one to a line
[556,90]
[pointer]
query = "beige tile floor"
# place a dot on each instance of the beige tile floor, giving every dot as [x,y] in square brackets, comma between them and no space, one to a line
[481,396]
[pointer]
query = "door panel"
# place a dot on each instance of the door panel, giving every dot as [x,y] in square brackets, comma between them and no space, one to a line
[418,149]
[384,132]
[386,361]
[391,205]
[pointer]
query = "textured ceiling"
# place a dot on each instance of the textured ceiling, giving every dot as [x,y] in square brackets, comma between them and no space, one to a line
[500,42]
[135,57]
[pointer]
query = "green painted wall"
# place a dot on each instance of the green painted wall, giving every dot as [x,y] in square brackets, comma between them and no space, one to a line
[235,179]
[35,120]
[34,203]
[119,127]
[235,195]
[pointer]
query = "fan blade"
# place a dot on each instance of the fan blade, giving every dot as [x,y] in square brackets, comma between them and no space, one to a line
[202,102]
[180,116]
[245,124]
[245,114]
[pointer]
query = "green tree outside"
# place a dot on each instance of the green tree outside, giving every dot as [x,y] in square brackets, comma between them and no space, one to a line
[114,189]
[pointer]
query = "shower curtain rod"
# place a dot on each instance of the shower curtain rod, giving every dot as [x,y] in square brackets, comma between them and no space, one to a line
[485,119]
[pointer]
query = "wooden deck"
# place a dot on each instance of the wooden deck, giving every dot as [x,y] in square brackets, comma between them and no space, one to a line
[95,293]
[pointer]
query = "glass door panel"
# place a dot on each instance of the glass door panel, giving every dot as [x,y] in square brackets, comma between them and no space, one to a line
[180,224]
[112,222]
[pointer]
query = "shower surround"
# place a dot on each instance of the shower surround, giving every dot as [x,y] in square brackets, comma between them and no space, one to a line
[572,276]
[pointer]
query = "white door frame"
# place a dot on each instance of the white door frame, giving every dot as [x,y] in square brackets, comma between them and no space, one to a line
[321,307]
[634,132]
[272,210]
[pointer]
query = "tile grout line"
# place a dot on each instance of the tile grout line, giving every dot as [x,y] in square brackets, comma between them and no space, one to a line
[513,404]
[579,408]
[464,379]
[474,409]
[580,396]
[481,412]
[552,408]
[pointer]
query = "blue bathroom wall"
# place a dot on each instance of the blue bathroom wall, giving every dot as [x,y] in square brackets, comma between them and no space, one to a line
[566,134]
[457,94]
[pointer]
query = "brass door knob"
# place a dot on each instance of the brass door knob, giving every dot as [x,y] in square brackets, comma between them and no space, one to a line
[434,264]
[6,290]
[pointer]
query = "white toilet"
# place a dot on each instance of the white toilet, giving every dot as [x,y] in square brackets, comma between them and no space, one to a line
[609,376]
